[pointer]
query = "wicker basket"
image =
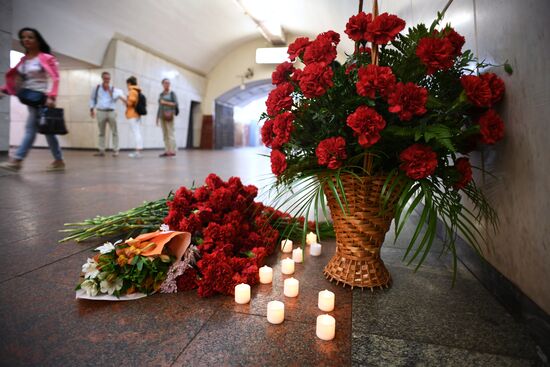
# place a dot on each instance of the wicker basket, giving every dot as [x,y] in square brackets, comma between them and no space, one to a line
[360,233]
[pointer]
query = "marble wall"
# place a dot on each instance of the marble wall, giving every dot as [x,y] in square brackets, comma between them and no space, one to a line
[6,10]
[517,31]
[122,61]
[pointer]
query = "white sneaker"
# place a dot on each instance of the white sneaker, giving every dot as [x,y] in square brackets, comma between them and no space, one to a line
[134,155]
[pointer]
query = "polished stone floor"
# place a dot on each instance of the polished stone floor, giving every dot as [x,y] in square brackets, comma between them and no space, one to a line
[420,320]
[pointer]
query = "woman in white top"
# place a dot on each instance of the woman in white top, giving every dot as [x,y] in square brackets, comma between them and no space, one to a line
[33,72]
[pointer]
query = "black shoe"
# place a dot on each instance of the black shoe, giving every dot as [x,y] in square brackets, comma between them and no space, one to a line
[164,155]
[99,154]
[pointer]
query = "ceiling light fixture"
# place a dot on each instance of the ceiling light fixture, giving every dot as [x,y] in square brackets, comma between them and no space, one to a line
[271,30]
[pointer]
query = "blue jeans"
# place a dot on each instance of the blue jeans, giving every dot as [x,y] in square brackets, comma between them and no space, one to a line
[30,135]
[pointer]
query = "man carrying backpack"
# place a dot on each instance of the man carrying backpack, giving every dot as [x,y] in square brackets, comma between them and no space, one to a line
[102,105]
[135,108]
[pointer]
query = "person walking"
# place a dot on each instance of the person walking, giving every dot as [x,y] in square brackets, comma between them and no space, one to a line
[31,75]
[102,105]
[132,115]
[166,114]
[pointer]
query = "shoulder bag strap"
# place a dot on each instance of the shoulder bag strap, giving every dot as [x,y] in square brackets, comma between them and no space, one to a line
[95,97]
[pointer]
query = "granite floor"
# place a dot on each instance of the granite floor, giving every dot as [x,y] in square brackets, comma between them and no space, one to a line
[421,320]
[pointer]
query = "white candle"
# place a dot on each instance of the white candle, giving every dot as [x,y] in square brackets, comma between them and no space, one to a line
[326,300]
[311,238]
[315,249]
[287,266]
[326,327]
[286,246]
[298,255]
[242,293]
[266,274]
[291,287]
[275,312]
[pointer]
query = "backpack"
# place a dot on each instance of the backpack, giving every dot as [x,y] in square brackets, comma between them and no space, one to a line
[141,105]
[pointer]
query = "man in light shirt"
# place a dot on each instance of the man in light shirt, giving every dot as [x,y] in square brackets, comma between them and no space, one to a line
[102,105]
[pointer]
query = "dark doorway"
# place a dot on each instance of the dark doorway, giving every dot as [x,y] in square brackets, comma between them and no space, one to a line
[194,116]
[223,126]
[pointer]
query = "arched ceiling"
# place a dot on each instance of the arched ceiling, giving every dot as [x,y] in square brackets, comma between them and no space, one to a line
[242,95]
[196,33]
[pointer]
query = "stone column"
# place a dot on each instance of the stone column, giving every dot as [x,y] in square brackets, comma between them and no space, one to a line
[6,16]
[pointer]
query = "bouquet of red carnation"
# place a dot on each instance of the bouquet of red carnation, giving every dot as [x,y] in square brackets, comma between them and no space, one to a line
[234,233]
[409,106]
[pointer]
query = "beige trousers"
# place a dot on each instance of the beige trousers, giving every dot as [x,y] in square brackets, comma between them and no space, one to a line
[104,118]
[169,136]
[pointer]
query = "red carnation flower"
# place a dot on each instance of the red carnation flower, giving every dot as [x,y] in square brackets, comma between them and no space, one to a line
[267,133]
[477,90]
[281,73]
[331,152]
[250,191]
[296,48]
[279,99]
[260,253]
[213,181]
[282,127]
[408,100]
[278,162]
[187,281]
[496,85]
[220,199]
[419,161]
[366,124]
[201,193]
[297,75]
[435,53]
[192,223]
[331,36]
[464,169]
[357,25]
[217,274]
[373,78]
[315,79]
[384,28]
[456,40]
[491,127]
[276,132]
[320,50]
[235,184]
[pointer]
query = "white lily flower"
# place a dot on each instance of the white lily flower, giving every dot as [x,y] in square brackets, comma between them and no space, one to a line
[107,247]
[90,287]
[90,269]
[164,228]
[111,287]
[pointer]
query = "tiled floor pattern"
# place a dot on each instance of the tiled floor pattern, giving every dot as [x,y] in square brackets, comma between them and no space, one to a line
[420,320]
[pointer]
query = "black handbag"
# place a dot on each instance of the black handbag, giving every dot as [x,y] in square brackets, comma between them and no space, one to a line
[173,98]
[31,97]
[52,121]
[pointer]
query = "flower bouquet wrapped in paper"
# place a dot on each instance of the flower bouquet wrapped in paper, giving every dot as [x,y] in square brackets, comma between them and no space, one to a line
[134,268]
[388,131]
